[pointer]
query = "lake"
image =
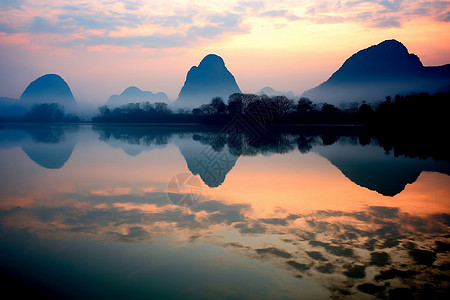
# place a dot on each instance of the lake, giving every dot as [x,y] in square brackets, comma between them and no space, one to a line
[139,212]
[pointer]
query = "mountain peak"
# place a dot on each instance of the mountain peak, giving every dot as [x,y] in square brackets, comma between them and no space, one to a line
[211,60]
[209,79]
[378,71]
[131,91]
[392,43]
[49,88]
[388,58]
[269,91]
[134,94]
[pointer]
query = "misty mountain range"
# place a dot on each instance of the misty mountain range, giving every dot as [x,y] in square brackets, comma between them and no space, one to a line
[369,75]
[382,70]
[135,95]
[271,92]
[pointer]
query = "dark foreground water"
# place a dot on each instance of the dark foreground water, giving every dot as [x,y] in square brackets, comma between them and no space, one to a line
[139,212]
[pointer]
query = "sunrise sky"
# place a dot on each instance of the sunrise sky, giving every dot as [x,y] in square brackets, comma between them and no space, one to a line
[101,47]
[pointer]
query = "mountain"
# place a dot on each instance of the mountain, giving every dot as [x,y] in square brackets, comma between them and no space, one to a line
[382,70]
[210,79]
[271,92]
[50,88]
[133,94]
[10,107]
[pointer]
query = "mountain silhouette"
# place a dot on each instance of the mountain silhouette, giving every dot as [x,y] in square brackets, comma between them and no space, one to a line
[50,88]
[382,70]
[133,94]
[271,92]
[210,79]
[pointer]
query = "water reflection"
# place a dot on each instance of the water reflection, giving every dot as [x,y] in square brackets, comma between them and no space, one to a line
[379,250]
[133,140]
[371,167]
[276,215]
[48,146]
[213,154]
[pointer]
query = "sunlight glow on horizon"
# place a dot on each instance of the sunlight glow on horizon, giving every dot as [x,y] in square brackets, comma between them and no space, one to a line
[288,46]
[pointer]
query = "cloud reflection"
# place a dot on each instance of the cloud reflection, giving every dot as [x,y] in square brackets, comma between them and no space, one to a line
[378,250]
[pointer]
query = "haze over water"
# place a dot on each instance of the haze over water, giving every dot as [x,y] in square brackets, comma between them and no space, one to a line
[84,213]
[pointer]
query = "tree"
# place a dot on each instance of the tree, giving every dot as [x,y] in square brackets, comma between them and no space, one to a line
[281,104]
[161,107]
[104,111]
[329,109]
[366,113]
[235,105]
[304,105]
[218,105]
[249,99]
[207,109]
[47,112]
[147,106]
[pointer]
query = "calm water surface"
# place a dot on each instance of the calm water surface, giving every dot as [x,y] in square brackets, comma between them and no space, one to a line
[85,212]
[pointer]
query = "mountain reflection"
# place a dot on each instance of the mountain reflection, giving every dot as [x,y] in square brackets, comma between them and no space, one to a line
[277,214]
[133,140]
[50,147]
[364,160]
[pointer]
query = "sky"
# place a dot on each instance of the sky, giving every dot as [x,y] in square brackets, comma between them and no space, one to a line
[101,47]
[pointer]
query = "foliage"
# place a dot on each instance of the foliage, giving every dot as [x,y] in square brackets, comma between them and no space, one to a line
[49,112]
[133,112]
[409,110]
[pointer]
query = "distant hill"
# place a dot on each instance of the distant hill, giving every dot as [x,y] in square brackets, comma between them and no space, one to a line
[50,88]
[271,92]
[210,79]
[133,94]
[382,70]
[10,107]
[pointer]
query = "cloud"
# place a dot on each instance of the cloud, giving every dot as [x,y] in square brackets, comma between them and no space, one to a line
[100,20]
[227,20]
[445,17]
[172,20]
[156,41]
[7,29]
[72,7]
[132,5]
[15,4]
[244,6]
[43,25]
[134,24]
[391,5]
[385,22]
[280,14]
[134,235]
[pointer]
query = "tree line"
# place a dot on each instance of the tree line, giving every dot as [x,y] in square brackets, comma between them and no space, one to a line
[410,110]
